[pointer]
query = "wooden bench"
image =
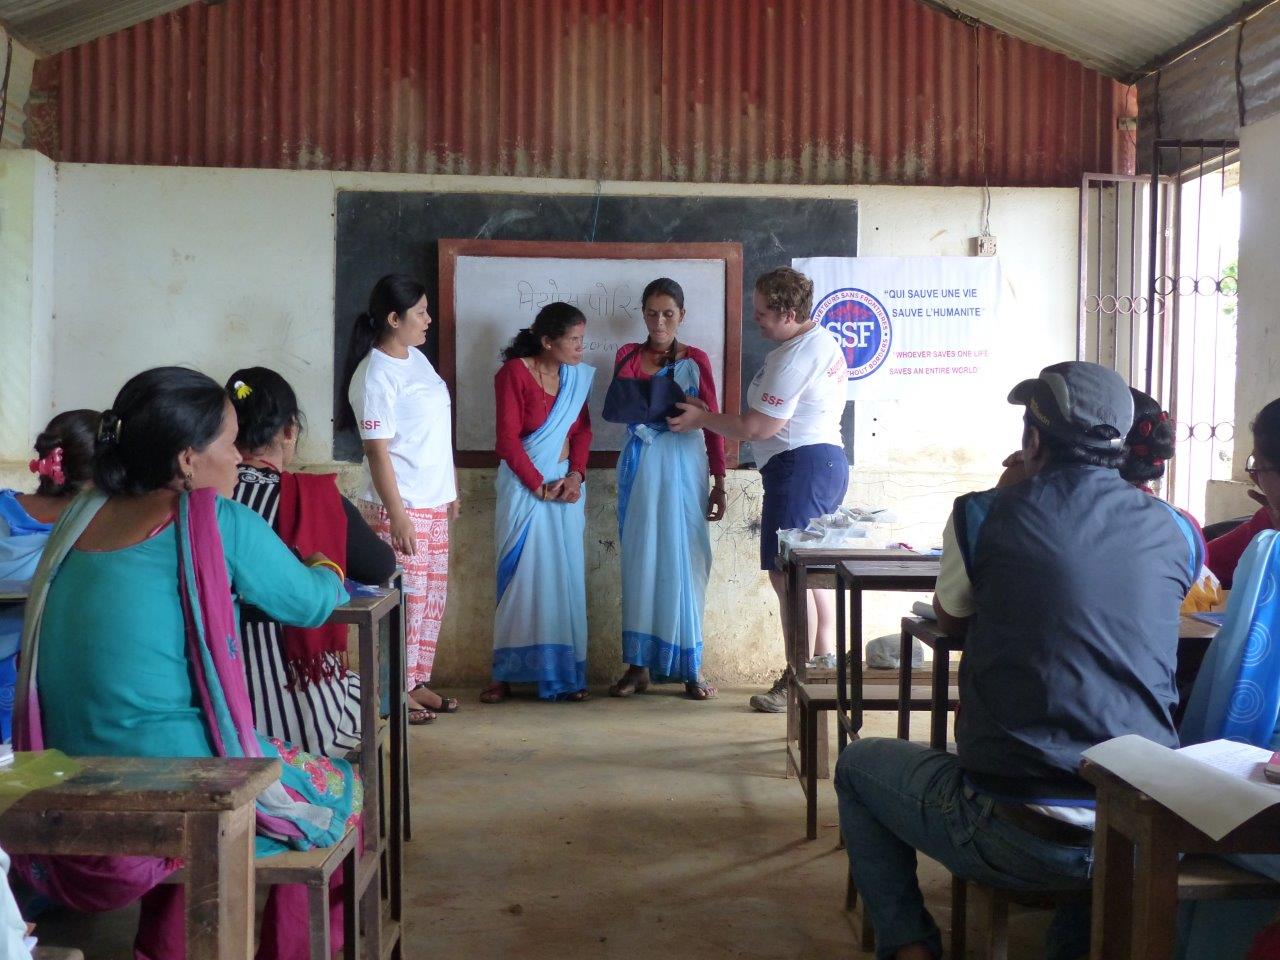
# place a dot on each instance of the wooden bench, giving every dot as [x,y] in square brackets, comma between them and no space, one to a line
[811,760]
[1199,878]
[314,870]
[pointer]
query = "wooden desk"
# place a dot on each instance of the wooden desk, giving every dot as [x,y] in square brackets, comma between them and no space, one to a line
[814,568]
[382,934]
[200,810]
[940,699]
[918,574]
[383,835]
[1194,637]
[805,569]
[1136,846]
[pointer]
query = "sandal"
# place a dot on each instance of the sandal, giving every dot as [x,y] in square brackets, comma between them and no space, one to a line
[446,705]
[629,683]
[495,692]
[420,716]
[578,696]
[699,690]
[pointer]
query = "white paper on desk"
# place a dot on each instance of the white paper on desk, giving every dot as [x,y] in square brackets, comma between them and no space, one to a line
[1213,786]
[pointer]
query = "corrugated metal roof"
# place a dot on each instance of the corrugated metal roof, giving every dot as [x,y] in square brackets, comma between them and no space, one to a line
[1116,38]
[888,91]
[51,26]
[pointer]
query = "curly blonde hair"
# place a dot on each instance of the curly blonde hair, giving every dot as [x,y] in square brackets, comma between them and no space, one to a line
[785,289]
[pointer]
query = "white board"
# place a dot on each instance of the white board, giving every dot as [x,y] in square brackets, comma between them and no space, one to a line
[494,297]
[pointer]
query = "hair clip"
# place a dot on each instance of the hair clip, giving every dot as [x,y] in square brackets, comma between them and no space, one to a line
[109,427]
[50,465]
[241,390]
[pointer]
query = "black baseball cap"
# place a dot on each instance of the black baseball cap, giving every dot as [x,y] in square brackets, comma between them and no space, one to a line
[1079,402]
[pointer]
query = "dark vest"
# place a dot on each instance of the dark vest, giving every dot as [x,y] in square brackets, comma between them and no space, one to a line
[1077,580]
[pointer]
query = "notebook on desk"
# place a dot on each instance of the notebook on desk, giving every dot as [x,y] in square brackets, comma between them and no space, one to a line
[1216,619]
[357,590]
[15,589]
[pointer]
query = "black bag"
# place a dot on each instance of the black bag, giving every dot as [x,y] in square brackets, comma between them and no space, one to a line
[642,401]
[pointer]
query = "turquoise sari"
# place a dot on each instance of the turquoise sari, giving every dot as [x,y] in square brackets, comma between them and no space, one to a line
[1237,697]
[540,628]
[666,543]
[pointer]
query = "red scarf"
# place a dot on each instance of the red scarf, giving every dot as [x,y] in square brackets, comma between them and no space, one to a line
[310,519]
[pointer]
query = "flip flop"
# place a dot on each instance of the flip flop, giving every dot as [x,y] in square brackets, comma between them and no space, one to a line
[704,691]
[626,686]
[495,692]
[447,704]
[420,716]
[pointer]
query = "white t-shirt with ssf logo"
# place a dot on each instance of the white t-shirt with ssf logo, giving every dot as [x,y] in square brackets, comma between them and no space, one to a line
[803,382]
[406,402]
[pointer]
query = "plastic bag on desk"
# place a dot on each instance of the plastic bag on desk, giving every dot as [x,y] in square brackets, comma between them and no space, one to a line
[848,527]
[1205,595]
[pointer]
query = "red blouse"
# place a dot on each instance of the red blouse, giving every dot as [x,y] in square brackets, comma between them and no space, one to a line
[522,407]
[1224,552]
[633,369]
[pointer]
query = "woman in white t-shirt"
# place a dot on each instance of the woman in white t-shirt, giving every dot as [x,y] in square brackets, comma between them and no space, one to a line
[402,411]
[795,403]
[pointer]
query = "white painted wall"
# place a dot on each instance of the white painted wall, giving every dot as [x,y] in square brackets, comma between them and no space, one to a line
[222,268]
[26,296]
[1259,360]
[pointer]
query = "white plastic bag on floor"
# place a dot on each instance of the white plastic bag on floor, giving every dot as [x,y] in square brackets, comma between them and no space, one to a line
[882,652]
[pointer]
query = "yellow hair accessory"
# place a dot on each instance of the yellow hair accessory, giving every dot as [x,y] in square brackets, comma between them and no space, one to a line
[241,390]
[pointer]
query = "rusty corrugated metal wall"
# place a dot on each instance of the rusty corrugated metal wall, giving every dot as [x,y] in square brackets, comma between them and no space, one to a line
[1229,82]
[781,91]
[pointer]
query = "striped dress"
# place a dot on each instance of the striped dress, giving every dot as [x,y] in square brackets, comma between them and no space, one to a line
[322,717]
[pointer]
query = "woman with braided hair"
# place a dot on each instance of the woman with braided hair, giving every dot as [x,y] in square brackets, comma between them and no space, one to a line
[299,683]
[1150,443]
[64,464]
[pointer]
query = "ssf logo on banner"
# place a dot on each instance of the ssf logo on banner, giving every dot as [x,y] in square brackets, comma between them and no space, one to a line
[861,325]
[907,324]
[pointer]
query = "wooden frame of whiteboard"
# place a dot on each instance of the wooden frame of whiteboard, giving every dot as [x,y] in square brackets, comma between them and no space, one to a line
[730,253]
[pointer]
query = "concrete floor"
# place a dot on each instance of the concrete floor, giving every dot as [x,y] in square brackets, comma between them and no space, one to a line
[649,827]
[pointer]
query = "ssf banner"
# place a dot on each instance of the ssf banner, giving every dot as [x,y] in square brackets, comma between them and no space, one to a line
[907,323]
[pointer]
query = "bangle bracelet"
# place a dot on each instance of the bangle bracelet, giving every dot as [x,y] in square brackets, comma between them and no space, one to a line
[331,565]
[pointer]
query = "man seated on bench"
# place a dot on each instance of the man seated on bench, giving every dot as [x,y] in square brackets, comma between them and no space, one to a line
[1068,581]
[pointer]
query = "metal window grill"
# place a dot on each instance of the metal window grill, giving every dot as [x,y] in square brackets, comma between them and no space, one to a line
[1158,294]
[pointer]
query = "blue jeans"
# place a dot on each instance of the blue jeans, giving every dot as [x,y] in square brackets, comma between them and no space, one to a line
[898,797]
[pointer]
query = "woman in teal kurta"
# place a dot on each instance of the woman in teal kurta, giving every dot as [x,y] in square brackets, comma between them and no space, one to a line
[141,701]
[131,647]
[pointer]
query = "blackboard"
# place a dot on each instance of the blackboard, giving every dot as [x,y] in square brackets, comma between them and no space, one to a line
[381,232]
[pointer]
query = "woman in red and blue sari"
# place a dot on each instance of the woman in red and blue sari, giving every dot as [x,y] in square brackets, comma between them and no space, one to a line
[543,437]
[663,510]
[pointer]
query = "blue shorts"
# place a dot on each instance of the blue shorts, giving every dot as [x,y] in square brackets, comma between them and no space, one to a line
[799,485]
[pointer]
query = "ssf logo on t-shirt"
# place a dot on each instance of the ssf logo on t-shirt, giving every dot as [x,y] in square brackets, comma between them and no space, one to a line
[861,326]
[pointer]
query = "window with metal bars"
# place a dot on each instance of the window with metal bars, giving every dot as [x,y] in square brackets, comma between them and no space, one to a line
[1158,293]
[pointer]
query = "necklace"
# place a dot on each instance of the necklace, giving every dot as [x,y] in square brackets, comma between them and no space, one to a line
[548,398]
[264,462]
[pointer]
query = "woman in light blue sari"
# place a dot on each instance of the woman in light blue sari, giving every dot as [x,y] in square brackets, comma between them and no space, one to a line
[543,438]
[664,508]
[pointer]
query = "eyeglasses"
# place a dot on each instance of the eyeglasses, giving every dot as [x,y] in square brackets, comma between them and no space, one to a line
[1253,471]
